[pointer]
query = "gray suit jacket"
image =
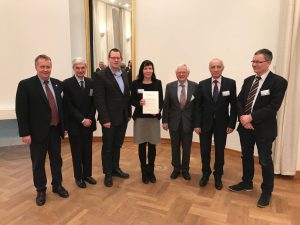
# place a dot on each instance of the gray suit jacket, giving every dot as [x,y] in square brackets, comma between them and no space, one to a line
[172,114]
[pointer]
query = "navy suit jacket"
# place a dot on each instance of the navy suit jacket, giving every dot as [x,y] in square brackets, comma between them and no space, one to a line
[207,110]
[78,104]
[265,106]
[33,110]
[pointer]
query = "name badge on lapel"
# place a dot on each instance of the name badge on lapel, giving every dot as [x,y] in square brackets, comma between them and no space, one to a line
[192,98]
[91,92]
[140,91]
[265,92]
[226,93]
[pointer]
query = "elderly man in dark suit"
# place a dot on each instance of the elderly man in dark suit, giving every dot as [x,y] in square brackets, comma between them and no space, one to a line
[40,120]
[112,101]
[178,118]
[258,102]
[80,121]
[216,116]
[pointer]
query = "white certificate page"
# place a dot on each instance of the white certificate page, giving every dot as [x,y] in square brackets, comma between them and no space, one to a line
[151,102]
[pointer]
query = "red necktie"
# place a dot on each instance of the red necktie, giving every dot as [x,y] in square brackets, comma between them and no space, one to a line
[52,104]
[182,99]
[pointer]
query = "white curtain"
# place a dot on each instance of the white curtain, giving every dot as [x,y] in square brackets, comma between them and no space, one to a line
[99,28]
[287,147]
[112,29]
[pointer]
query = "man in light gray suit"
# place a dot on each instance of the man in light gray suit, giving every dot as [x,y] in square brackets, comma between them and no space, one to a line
[177,117]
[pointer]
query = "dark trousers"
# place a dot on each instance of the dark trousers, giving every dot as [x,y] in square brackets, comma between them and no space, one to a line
[184,139]
[143,155]
[264,147]
[38,153]
[112,139]
[205,148]
[81,148]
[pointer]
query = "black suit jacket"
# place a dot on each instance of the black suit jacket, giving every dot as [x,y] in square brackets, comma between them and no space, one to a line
[78,104]
[112,105]
[208,110]
[33,110]
[266,106]
[172,113]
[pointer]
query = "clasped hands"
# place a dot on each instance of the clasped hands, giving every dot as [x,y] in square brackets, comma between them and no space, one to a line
[246,121]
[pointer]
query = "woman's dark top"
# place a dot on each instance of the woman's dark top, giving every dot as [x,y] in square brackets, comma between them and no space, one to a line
[136,95]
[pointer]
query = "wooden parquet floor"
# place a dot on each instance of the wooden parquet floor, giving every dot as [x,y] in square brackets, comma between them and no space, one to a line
[132,202]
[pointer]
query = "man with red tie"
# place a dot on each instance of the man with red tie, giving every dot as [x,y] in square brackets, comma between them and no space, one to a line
[40,121]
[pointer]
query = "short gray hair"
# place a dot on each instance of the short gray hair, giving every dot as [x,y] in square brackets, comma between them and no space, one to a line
[182,64]
[78,60]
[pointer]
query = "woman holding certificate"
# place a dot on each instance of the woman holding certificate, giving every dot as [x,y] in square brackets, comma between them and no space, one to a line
[147,98]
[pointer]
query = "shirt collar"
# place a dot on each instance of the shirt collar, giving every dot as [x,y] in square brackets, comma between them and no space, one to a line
[78,80]
[185,83]
[219,80]
[264,76]
[118,73]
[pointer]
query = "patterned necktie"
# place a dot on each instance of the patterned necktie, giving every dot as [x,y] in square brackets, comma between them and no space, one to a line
[251,95]
[52,104]
[215,91]
[81,85]
[182,99]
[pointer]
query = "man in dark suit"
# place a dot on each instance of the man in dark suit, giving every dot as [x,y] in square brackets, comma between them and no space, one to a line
[112,101]
[101,66]
[80,121]
[215,96]
[40,120]
[178,118]
[258,102]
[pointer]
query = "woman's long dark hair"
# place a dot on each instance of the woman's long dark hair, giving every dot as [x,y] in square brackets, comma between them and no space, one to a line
[143,65]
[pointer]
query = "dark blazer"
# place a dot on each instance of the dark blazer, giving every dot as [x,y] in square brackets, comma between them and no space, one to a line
[136,97]
[78,104]
[33,110]
[265,107]
[112,105]
[172,114]
[208,110]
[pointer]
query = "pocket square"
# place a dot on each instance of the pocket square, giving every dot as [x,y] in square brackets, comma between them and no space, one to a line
[192,98]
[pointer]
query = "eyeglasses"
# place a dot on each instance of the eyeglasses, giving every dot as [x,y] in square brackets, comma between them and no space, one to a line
[258,62]
[115,58]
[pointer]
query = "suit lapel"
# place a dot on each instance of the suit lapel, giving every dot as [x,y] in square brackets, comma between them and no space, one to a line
[175,93]
[40,89]
[113,80]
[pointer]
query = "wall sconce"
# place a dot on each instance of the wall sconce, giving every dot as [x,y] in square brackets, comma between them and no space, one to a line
[128,38]
[102,34]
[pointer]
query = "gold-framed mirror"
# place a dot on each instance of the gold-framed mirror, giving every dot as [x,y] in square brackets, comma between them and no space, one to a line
[100,36]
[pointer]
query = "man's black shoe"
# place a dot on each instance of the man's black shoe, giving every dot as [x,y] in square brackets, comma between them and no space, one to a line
[80,183]
[186,175]
[61,191]
[174,174]
[90,180]
[240,187]
[264,200]
[108,182]
[218,183]
[120,173]
[203,181]
[40,198]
